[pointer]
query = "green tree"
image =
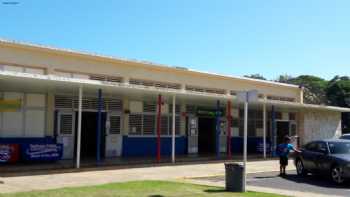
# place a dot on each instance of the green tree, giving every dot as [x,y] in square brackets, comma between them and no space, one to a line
[284,78]
[338,91]
[255,76]
[314,87]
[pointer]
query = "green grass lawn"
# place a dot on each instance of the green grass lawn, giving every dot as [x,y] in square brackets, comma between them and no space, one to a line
[139,189]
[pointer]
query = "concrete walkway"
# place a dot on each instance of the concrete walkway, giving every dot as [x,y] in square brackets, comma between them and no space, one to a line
[171,172]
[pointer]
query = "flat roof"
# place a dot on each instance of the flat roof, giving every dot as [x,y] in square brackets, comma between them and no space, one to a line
[145,63]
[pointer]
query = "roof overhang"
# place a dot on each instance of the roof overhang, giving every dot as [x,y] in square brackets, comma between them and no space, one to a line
[25,82]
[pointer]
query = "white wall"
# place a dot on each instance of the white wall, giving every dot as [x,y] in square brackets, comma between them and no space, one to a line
[320,125]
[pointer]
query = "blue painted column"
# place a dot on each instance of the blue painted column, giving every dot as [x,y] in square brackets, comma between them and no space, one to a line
[273,129]
[99,127]
[217,136]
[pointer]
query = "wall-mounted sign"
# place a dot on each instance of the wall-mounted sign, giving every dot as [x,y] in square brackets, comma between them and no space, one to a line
[42,152]
[10,105]
[209,112]
[9,153]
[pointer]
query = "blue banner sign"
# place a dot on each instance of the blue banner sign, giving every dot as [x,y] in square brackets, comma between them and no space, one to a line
[42,152]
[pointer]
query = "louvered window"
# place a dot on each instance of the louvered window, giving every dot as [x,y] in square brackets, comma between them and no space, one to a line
[149,107]
[177,125]
[157,84]
[106,78]
[149,122]
[92,104]
[114,104]
[115,122]
[204,89]
[66,124]
[135,124]
[177,109]
[63,102]
[164,125]
[278,98]
[233,93]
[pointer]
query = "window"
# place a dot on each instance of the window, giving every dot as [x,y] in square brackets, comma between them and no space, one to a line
[205,89]
[66,124]
[280,98]
[115,122]
[135,124]
[311,146]
[149,122]
[321,147]
[22,69]
[177,125]
[157,84]
[255,122]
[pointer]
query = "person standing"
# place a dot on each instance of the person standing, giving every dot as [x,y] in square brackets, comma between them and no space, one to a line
[283,151]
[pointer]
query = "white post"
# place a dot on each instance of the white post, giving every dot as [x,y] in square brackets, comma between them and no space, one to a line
[264,129]
[245,143]
[173,132]
[79,126]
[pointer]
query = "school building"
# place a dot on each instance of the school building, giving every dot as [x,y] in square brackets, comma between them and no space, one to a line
[100,107]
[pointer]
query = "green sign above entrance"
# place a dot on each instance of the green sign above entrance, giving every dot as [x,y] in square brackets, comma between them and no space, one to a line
[209,112]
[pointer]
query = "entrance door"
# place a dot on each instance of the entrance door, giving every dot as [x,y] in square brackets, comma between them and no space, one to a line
[192,135]
[113,137]
[206,135]
[89,135]
[65,128]
[282,130]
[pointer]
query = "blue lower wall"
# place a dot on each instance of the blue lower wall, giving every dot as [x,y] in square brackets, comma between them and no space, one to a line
[253,144]
[147,146]
[29,140]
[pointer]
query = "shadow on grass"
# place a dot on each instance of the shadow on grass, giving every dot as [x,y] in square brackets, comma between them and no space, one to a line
[215,190]
[156,195]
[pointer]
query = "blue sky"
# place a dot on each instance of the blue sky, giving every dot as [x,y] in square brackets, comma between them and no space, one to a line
[225,36]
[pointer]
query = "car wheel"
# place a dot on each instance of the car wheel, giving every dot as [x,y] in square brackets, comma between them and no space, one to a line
[300,168]
[337,175]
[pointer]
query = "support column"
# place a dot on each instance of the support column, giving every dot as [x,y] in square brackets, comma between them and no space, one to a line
[273,129]
[264,130]
[79,126]
[217,136]
[99,127]
[245,142]
[158,125]
[229,120]
[173,130]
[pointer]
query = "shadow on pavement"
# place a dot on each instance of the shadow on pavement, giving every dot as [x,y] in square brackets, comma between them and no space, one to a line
[316,180]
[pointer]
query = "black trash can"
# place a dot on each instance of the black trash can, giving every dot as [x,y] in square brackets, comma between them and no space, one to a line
[234,177]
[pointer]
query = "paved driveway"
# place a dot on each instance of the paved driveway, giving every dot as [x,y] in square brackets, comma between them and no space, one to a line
[290,184]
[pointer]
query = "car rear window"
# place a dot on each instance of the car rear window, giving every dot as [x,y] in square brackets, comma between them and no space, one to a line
[339,147]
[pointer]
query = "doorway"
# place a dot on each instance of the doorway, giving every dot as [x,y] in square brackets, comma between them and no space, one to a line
[282,130]
[206,135]
[89,137]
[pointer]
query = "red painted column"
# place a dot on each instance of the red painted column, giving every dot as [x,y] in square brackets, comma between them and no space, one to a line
[229,120]
[158,125]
